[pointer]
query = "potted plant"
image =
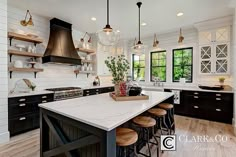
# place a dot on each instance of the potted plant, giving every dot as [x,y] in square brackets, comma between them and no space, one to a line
[221,80]
[118,66]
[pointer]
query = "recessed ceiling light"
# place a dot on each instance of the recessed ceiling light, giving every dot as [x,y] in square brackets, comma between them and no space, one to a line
[180,14]
[118,31]
[144,24]
[93,19]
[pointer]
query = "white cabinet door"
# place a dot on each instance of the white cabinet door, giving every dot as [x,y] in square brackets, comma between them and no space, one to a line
[205,37]
[206,59]
[222,58]
[222,34]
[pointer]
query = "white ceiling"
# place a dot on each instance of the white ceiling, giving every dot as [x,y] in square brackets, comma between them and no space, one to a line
[160,15]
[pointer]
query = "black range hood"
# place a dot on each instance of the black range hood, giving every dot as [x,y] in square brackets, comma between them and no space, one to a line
[61,49]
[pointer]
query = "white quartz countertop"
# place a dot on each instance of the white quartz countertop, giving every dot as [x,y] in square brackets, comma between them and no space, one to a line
[187,88]
[17,94]
[102,111]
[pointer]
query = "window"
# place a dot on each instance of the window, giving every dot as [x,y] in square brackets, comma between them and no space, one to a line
[182,64]
[138,70]
[158,65]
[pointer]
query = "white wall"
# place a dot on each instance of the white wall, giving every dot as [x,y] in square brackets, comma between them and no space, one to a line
[53,75]
[234,68]
[4,134]
[168,42]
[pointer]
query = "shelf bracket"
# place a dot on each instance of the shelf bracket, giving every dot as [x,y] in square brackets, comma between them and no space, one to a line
[35,44]
[10,39]
[10,74]
[10,57]
[87,75]
[76,75]
[35,74]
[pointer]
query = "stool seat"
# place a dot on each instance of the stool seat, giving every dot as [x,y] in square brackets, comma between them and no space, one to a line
[125,137]
[166,106]
[144,121]
[157,112]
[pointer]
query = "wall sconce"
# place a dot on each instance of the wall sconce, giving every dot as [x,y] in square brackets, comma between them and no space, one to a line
[181,38]
[86,45]
[155,41]
[29,22]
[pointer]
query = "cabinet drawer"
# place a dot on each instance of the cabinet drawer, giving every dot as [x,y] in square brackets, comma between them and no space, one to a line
[29,99]
[23,108]
[23,123]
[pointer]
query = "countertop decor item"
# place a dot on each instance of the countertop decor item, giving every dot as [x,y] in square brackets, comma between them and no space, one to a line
[28,22]
[118,66]
[30,84]
[20,47]
[107,36]
[129,98]
[139,48]
[211,87]
[181,38]
[135,91]
[222,81]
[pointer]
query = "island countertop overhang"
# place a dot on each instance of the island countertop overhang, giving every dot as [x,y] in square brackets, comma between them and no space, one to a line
[102,111]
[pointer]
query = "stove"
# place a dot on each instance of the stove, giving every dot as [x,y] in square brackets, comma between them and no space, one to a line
[66,93]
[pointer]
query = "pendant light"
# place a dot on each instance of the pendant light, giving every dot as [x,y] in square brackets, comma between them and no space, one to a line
[155,41]
[107,36]
[139,48]
[181,38]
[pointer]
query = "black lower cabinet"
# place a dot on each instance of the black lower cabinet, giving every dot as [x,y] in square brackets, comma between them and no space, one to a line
[23,112]
[214,106]
[95,91]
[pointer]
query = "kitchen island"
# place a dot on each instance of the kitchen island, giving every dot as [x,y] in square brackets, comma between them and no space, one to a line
[86,126]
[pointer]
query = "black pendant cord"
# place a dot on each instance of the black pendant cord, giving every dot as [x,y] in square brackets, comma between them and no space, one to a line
[139,22]
[107,12]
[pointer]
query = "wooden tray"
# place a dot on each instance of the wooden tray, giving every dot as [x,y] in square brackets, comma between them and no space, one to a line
[128,98]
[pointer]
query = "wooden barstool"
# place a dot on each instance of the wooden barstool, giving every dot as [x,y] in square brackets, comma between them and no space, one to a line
[159,115]
[126,137]
[170,115]
[146,124]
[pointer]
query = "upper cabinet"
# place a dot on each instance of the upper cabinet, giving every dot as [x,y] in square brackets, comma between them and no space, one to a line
[214,35]
[214,46]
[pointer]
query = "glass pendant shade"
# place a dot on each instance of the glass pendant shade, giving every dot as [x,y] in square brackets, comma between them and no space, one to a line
[181,38]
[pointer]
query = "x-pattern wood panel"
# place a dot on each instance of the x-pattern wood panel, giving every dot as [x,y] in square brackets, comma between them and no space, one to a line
[221,50]
[206,52]
[221,65]
[222,35]
[204,66]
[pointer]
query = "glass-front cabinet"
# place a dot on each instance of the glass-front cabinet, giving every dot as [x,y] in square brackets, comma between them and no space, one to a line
[214,51]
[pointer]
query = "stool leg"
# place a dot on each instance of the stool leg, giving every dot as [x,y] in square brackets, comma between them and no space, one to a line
[173,120]
[153,133]
[148,138]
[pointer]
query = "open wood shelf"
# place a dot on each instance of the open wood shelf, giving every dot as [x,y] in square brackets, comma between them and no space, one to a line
[23,53]
[88,51]
[84,72]
[21,37]
[88,61]
[13,69]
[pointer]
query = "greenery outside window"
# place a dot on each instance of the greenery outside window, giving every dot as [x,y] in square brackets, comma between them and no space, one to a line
[183,64]
[138,68]
[158,65]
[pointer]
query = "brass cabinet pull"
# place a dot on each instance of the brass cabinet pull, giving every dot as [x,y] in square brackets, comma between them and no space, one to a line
[195,106]
[218,99]
[22,105]
[196,97]
[44,97]
[196,93]
[44,101]
[22,118]
[219,110]
[218,94]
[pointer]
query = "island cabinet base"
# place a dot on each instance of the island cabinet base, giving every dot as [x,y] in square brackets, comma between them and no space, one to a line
[64,137]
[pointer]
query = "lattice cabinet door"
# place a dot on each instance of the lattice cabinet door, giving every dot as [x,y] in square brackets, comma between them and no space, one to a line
[222,58]
[222,34]
[206,55]
[205,37]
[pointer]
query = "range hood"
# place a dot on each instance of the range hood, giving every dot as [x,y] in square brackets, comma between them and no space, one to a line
[61,49]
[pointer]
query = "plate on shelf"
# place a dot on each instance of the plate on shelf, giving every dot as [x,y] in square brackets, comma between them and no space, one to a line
[18,31]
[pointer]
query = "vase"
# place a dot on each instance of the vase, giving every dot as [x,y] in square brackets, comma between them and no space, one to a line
[117,89]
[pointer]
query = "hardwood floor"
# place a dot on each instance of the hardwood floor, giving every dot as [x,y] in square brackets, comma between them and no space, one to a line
[27,145]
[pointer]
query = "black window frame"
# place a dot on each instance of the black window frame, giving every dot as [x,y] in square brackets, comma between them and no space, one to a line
[173,66]
[151,66]
[134,68]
